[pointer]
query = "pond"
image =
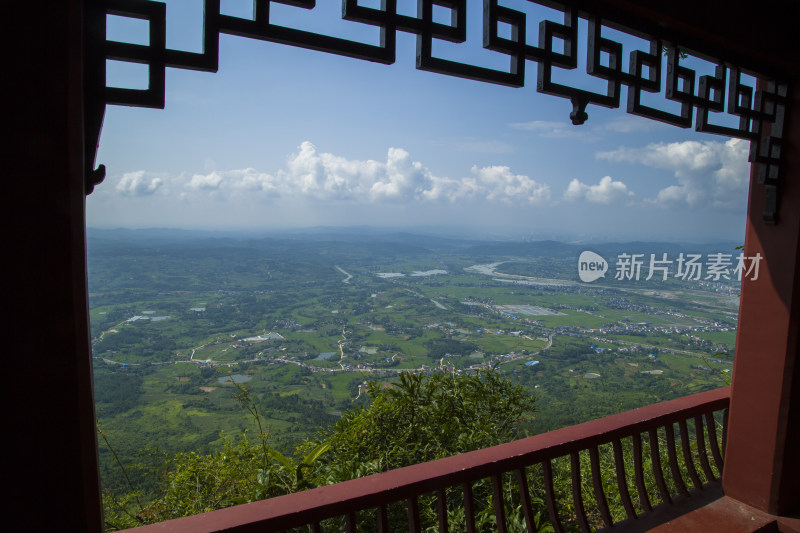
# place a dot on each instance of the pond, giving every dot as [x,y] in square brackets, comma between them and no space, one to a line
[236,378]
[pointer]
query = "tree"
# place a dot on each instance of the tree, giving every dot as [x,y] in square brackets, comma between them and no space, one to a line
[419,419]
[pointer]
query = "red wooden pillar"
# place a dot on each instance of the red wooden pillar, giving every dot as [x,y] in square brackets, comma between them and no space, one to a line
[762,463]
[49,444]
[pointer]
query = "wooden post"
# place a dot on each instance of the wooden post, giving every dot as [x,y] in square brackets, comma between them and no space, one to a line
[762,462]
[50,468]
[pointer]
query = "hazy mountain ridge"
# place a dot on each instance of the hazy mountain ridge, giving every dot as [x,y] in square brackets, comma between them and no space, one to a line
[408,241]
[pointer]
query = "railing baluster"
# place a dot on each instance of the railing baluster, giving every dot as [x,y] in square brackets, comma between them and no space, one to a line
[499,508]
[701,448]
[383,520]
[597,483]
[724,432]
[395,490]
[577,497]
[413,516]
[549,495]
[622,481]
[525,499]
[673,459]
[638,473]
[687,455]
[469,509]
[441,509]
[655,460]
[714,442]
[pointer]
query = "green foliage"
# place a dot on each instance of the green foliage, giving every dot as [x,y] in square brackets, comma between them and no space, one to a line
[438,348]
[423,418]
[242,471]
[116,393]
[246,400]
[293,475]
[199,483]
[193,483]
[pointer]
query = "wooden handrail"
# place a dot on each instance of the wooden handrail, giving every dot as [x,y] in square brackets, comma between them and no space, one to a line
[406,484]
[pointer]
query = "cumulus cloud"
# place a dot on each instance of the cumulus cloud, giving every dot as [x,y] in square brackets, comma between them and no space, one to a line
[606,191]
[316,175]
[500,184]
[138,183]
[246,180]
[208,181]
[327,176]
[708,173]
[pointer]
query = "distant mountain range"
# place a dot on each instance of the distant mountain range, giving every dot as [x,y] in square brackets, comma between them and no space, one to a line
[410,240]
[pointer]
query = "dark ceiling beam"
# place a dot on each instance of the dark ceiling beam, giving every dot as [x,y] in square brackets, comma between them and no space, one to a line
[762,36]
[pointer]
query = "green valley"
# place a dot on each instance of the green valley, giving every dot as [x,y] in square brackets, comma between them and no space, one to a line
[308,320]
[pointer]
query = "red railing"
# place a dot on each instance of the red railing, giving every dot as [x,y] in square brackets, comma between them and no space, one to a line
[429,483]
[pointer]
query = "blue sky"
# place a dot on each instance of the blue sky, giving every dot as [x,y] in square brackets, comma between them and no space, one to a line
[284,137]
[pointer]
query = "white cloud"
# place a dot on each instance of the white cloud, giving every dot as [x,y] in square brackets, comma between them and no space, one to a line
[606,191]
[246,180]
[138,184]
[330,177]
[208,181]
[311,174]
[500,184]
[708,173]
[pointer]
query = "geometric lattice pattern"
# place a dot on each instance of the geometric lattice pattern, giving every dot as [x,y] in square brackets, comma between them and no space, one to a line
[759,110]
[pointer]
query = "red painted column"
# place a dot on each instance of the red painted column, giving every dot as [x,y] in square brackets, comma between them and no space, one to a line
[49,443]
[762,462]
